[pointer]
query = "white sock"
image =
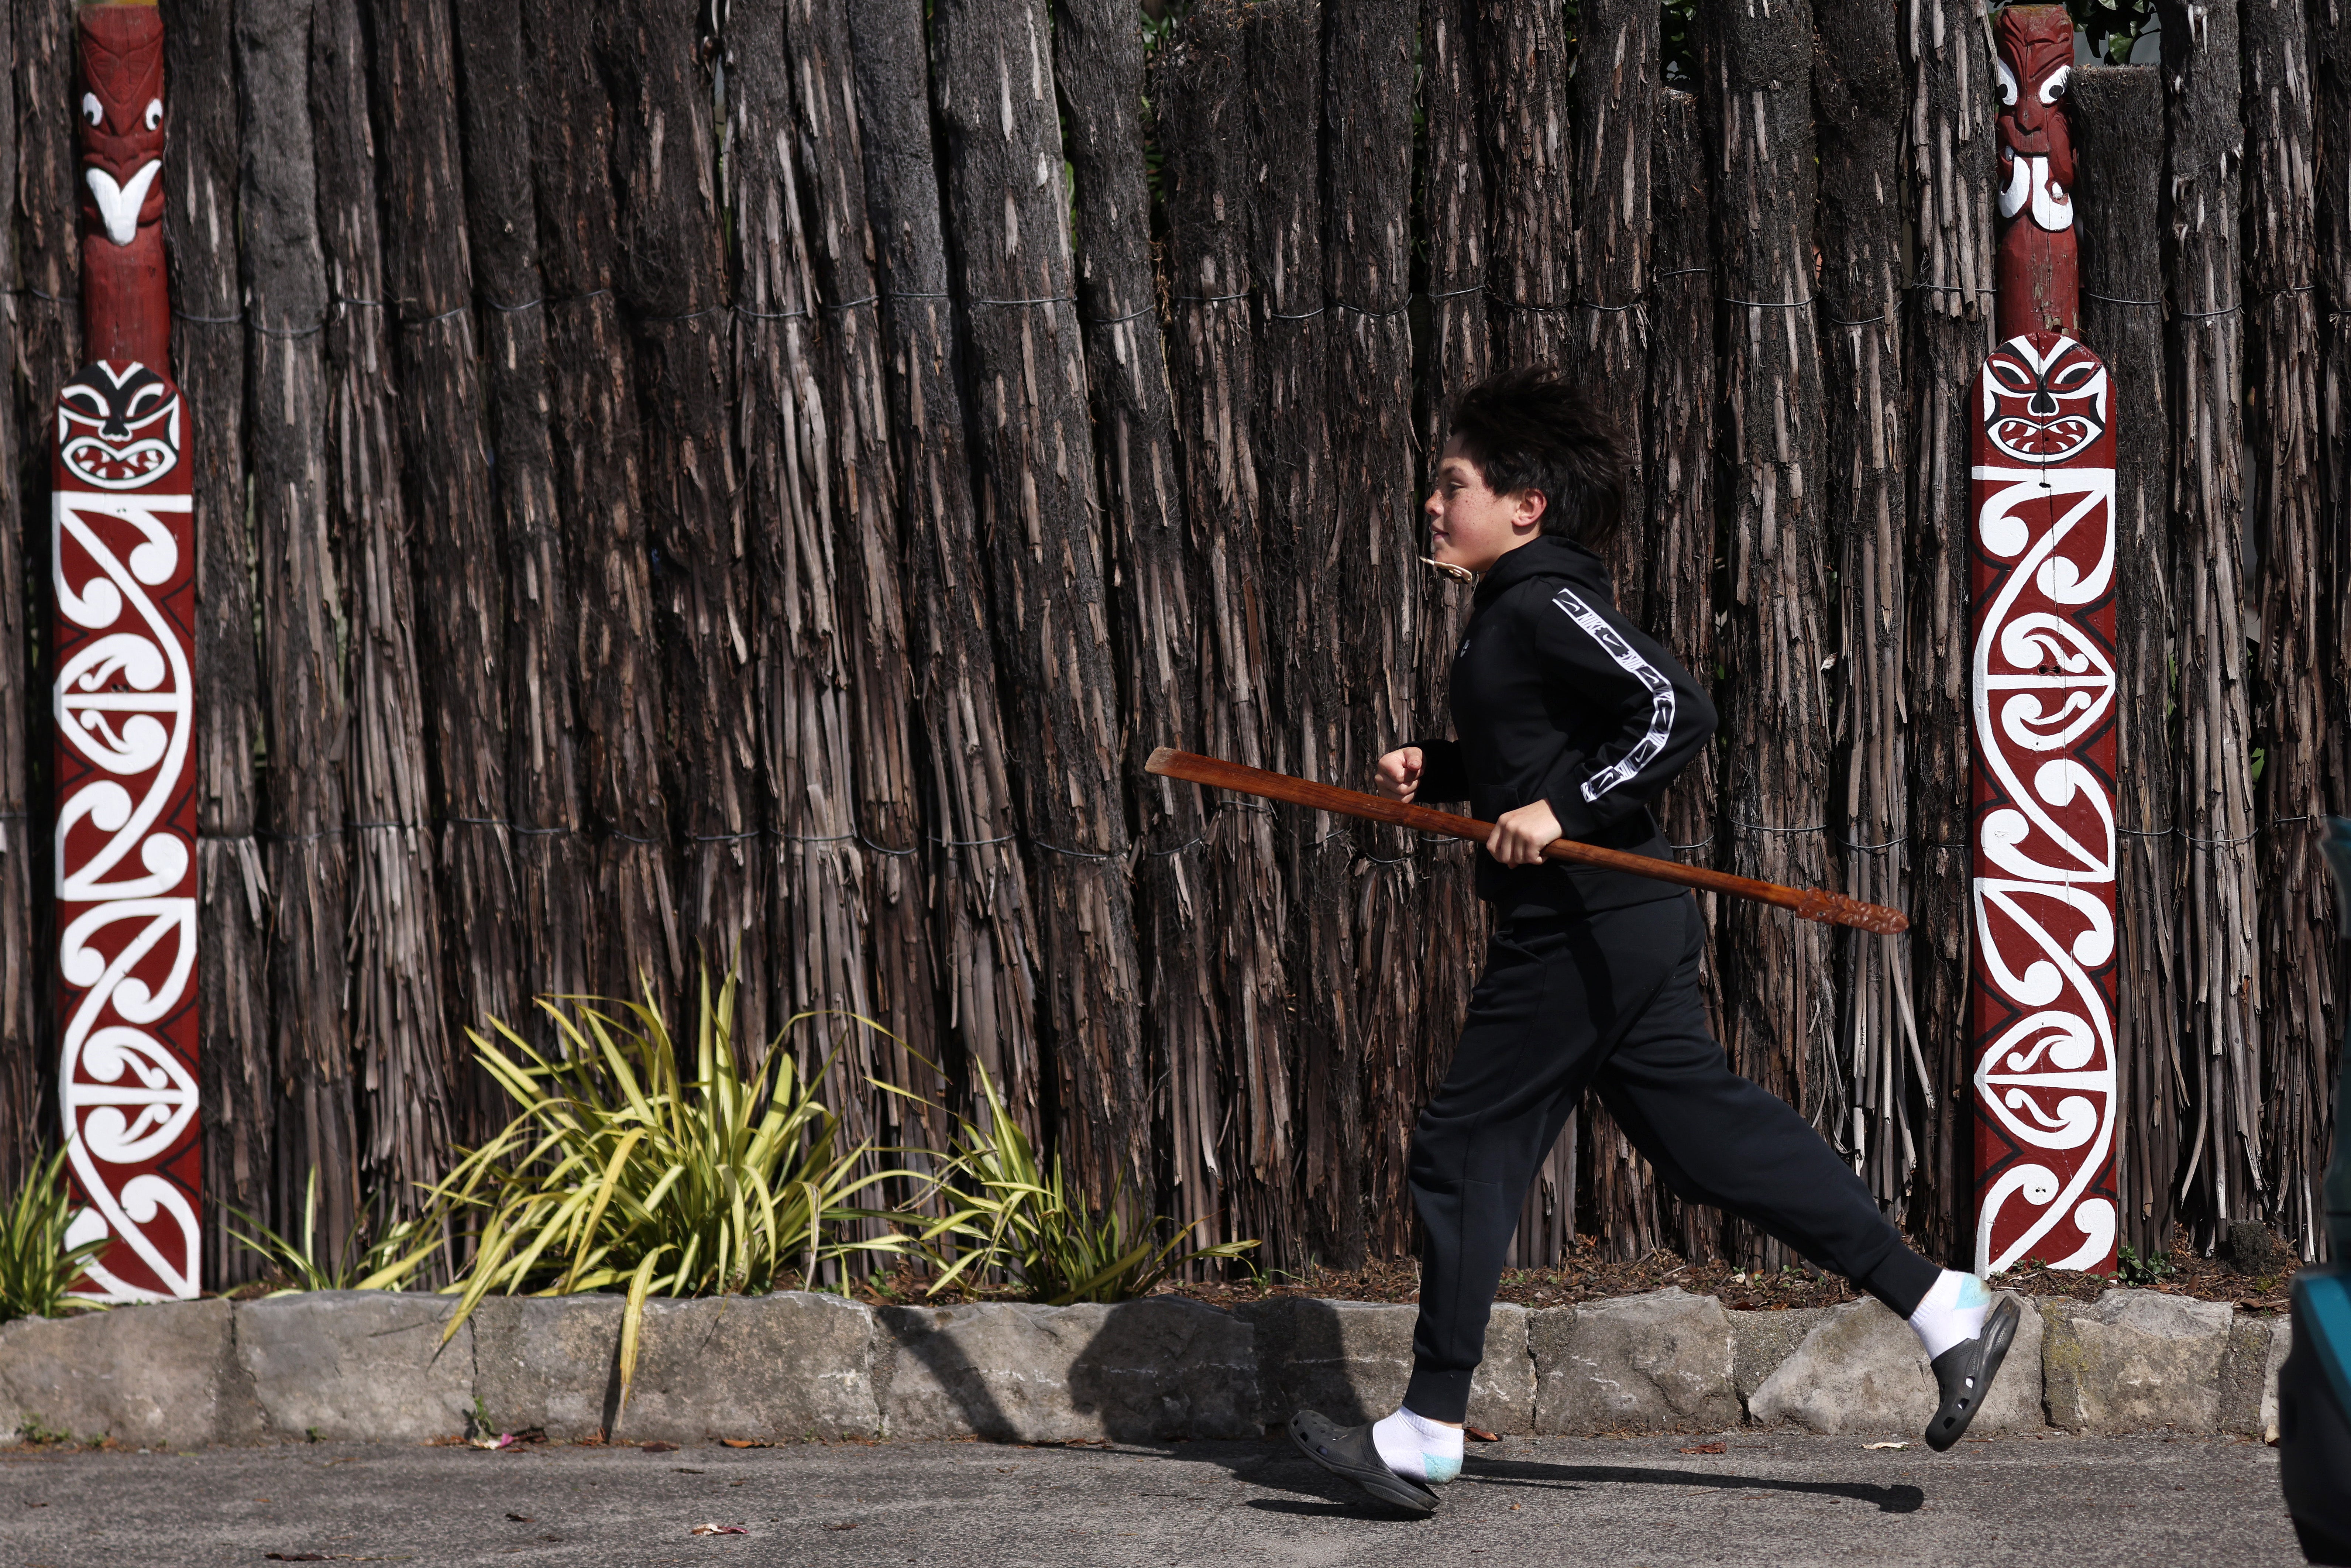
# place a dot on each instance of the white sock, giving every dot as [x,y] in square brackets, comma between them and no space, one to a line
[1952,1313]
[1417,1449]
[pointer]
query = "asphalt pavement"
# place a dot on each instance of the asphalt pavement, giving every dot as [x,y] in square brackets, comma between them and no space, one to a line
[1775,1499]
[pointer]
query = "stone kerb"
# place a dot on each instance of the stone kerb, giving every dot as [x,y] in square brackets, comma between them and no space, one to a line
[1351,1360]
[2134,1361]
[165,1374]
[1142,1370]
[1860,1369]
[1660,1362]
[793,1364]
[356,1365]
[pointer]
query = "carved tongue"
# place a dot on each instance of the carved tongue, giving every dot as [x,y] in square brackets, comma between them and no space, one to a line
[118,205]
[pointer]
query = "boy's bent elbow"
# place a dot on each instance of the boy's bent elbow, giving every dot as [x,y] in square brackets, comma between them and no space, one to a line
[1698,716]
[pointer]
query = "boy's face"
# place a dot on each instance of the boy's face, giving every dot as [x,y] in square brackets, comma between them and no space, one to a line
[1468,524]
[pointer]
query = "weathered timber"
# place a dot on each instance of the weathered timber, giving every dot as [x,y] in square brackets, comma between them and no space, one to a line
[1204,1019]
[1858,102]
[1369,562]
[1452,921]
[2118,113]
[1521,48]
[1008,209]
[1682,559]
[1614,103]
[987,938]
[208,349]
[869,559]
[1301,689]
[461,576]
[2294,673]
[549,857]
[815,920]
[24,1058]
[2219,918]
[671,281]
[299,571]
[2330,53]
[1947,46]
[1777,978]
[394,1018]
[598,467]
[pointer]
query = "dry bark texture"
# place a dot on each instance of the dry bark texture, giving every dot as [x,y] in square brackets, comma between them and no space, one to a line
[541,742]
[300,571]
[2330,53]
[1194,996]
[1858,99]
[2294,673]
[988,937]
[1007,211]
[208,349]
[1683,566]
[2220,924]
[2118,116]
[397,1023]
[23,1060]
[1521,48]
[1780,1007]
[598,466]
[870,545]
[1452,921]
[1363,577]
[461,579]
[1948,47]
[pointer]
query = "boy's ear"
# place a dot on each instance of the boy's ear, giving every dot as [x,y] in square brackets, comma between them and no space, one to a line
[1527,509]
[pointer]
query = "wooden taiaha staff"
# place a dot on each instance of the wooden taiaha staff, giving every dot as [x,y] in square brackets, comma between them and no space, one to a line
[1807,903]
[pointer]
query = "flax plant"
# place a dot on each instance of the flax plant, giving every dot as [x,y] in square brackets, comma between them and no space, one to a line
[1007,1213]
[37,1268]
[618,1174]
[390,1263]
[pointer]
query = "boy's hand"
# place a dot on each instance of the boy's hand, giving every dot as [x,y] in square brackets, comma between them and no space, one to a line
[1400,773]
[1519,837]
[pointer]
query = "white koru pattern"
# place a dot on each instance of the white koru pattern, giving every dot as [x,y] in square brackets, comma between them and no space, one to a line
[2050,1077]
[127,1100]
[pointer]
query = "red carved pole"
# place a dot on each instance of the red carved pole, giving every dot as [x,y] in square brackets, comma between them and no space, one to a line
[123,571]
[2043,724]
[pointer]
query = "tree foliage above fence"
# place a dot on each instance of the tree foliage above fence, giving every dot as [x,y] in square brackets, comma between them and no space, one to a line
[754,481]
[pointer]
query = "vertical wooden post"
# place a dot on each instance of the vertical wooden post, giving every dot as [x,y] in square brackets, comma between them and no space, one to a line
[553,881]
[2044,684]
[988,921]
[1776,972]
[461,576]
[1858,100]
[1681,469]
[1948,45]
[2295,676]
[1214,1000]
[2118,116]
[25,1063]
[208,353]
[123,570]
[1008,206]
[2220,917]
[1521,48]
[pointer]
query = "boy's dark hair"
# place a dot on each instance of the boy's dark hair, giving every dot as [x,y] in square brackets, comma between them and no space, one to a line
[1530,430]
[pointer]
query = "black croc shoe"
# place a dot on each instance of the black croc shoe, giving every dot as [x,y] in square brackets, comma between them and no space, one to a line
[1348,1451]
[1964,1375]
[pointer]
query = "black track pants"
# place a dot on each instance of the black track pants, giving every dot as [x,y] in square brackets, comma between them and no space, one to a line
[1612,1001]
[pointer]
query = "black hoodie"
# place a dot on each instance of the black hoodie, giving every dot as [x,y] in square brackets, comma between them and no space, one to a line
[1557,697]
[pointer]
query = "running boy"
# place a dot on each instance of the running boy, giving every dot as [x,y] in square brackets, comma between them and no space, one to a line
[1571,721]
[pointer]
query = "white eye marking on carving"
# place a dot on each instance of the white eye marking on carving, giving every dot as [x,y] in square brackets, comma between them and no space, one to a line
[90,109]
[150,392]
[2007,82]
[154,112]
[2055,87]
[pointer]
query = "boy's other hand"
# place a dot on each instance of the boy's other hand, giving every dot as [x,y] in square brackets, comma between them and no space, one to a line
[1400,773]
[1520,837]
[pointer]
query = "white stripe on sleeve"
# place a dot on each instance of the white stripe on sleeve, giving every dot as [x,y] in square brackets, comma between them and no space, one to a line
[1661,696]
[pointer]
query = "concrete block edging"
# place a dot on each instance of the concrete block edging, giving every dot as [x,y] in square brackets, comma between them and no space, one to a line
[371,1365]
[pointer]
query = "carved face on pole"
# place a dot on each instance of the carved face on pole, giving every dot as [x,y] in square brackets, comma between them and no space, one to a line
[121,111]
[2036,147]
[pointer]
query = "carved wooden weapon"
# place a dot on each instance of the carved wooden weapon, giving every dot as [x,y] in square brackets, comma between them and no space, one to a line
[122,563]
[1809,902]
[2042,993]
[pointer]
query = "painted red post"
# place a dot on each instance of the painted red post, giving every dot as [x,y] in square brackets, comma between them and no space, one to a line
[2042,730]
[123,563]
